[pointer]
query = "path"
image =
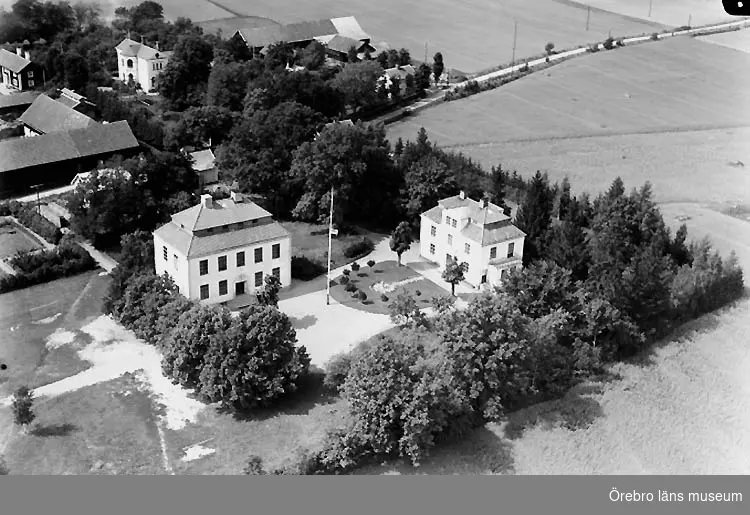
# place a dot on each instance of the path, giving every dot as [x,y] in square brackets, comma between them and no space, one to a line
[43,194]
[104,260]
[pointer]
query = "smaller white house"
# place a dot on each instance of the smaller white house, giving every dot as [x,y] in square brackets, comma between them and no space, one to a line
[204,165]
[398,73]
[221,251]
[140,63]
[477,233]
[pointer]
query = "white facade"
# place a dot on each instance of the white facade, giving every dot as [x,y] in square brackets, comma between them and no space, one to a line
[478,234]
[217,263]
[141,63]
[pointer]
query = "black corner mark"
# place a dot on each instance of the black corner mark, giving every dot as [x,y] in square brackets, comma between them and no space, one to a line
[737,7]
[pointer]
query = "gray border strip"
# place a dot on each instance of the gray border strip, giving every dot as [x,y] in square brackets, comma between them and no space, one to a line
[516,495]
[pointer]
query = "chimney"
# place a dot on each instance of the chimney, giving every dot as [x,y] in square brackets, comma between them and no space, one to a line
[236,196]
[157,45]
[462,195]
[19,51]
[27,55]
[485,203]
[207,201]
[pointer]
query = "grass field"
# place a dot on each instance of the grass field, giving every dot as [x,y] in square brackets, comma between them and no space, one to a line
[15,239]
[673,13]
[738,39]
[668,112]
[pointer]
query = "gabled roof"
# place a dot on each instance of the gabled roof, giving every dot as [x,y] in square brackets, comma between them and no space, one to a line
[493,212]
[13,62]
[222,212]
[203,160]
[20,153]
[18,99]
[229,26]
[349,26]
[342,44]
[400,71]
[323,30]
[130,48]
[47,115]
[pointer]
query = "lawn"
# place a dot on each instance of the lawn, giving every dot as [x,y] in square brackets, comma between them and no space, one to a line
[683,408]
[738,39]
[674,13]
[385,278]
[657,111]
[15,239]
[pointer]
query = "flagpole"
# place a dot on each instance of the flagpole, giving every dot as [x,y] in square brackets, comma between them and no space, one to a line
[330,235]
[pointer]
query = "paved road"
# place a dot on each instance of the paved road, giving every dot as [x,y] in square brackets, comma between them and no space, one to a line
[43,194]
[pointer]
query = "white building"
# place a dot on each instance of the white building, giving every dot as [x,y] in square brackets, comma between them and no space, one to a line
[221,251]
[140,63]
[476,233]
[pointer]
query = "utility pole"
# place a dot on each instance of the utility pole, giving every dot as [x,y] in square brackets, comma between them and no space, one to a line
[690,19]
[330,237]
[588,16]
[38,202]
[425,52]
[515,33]
[650,4]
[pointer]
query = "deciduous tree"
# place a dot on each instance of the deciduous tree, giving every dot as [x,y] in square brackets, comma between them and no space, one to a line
[401,239]
[454,273]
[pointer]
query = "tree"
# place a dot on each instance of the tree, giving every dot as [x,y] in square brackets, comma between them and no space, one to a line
[352,55]
[141,302]
[404,57]
[534,217]
[200,125]
[549,48]
[76,71]
[227,85]
[567,245]
[313,56]
[183,81]
[437,66]
[498,181]
[400,402]
[425,182]
[188,342]
[404,311]
[254,362]
[254,466]
[279,55]
[358,83]
[422,77]
[269,294]
[401,239]
[137,251]
[23,407]
[394,89]
[454,273]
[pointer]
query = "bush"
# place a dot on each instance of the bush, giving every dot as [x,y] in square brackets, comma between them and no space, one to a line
[41,267]
[346,272]
[332,283]
[355,267]
[371,263]
[384,297]
[350,287]
[254,466]
[344,279]
[29,217]
[655,36]
[549,48]
[22,406]
[337,369]
[359,249]
[593,48]
[305,269]
[362,296]
[418,293]
[609,43]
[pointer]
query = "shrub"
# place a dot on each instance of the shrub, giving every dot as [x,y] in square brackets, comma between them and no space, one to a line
[40,267]
[549,48]
[344,279]
[593,48]
[362,296]
[22,406]
[305,269]
[254,466]
[418,293]
[346,271]
[361,274]
[355,294]
[655,36]
[355,267]
[332,283]
[337,369]
[29,217]
[359,249]
[371,263]
[384,297]
[351,287]
[609,43]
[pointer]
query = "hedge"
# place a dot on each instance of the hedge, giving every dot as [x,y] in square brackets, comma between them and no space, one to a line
[305,268]
[29,217]
[41,267]
[360,248]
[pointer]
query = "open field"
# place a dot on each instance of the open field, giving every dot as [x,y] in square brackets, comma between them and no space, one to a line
[658,111]
[674,13]
[15,239]
[738,39]
[683,408]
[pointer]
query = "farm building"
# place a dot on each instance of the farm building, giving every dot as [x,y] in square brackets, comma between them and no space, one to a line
[338,47]
[46,115]
[54,158]
[204,164]
[18,71]
[17,103]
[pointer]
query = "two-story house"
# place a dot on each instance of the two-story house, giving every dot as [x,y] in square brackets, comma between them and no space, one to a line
[17,71]
[221,250]
[140,63]
[479,234]
[399,74]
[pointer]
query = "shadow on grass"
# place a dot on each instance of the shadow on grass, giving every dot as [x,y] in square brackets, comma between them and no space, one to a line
[303,322]
[311,392]
[575,411]
[54,430]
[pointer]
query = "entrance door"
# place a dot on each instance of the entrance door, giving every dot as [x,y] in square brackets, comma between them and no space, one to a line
[239,288]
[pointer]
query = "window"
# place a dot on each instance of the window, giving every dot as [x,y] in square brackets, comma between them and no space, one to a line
[467,248]
[510,249]
[493,252]
[432,248]
[164,251]
[222,287]
[31,83]
[222,263]
[174,259]
[259,254]
[258,279]
[276,273]
[450,239]
[204,291]
[433,230]
[130,63]
[276,251]
[241,258]
[239,288]
[448,220]
[453,223]
[204,266]
[484,278]
[31,74]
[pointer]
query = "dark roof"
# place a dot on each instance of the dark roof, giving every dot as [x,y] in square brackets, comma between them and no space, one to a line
[47,115]
[292,33]
[20,153]
[18,99]
[229,26]
[342,44]
[13,62]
